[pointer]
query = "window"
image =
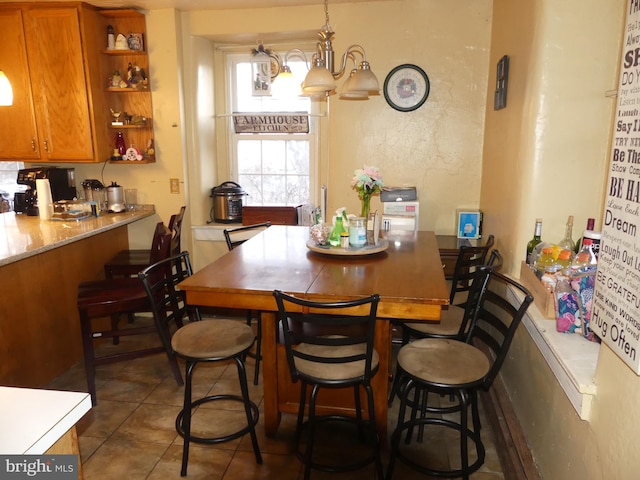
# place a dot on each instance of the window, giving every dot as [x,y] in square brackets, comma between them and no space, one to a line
[274,169]
[8,185]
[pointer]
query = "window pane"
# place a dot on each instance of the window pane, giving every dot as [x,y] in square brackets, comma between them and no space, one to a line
[274,189]
[249,158]
[274,156]
[298,157]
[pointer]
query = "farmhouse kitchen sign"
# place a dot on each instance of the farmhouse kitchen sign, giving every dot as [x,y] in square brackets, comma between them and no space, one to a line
[271,122]
[616,306]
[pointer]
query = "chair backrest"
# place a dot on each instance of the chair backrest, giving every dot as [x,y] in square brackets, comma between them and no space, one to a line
[168,303]
[496,317]
[238,235]
[495,259]
[328,324]
[175,225]
[161,245]
[468,261]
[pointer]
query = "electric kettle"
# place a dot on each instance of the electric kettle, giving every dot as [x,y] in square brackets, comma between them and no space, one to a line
[115,198]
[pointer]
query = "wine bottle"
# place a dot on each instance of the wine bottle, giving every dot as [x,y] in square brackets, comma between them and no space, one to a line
[567,242]
[591,222]
[537,238]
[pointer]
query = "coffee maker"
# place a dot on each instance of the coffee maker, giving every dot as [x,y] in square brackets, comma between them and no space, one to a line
[62,181]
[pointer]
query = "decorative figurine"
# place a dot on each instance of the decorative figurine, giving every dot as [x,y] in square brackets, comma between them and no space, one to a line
[111,38]
[116,118]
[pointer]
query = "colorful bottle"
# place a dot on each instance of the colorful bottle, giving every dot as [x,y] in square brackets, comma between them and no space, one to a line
[585,260]
[338,228]
[537,238]
[120,144]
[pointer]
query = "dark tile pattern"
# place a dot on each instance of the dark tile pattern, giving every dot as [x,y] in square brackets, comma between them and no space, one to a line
[131,433]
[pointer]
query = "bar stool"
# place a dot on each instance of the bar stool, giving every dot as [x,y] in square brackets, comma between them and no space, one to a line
[330,345]
[459,369]
[113,298]
[128,263]
[199,341]
[234,237]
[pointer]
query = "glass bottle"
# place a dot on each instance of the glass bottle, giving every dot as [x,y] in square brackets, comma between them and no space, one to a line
[545,262]
[120,144]
[567,242]
[591,222]
[338,228]
[537,238]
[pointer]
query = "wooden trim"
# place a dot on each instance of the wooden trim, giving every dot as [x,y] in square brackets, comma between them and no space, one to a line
[511,444]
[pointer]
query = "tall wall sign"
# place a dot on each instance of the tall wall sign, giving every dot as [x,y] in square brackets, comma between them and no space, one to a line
[616,307]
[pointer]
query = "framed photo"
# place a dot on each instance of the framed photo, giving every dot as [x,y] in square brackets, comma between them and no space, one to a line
[502,80]
[469,224]
[135,41]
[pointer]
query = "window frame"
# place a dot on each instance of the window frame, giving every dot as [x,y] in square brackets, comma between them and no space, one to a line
[231,59]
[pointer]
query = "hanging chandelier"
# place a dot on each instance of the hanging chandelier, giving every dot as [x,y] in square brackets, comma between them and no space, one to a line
[320,81]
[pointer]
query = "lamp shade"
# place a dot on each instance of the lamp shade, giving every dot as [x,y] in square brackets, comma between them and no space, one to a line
[364,79]
[319,79]
[6,92]
[349,93]
[285,85]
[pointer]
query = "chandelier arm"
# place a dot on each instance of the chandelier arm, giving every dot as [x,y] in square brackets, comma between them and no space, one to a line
[351,49]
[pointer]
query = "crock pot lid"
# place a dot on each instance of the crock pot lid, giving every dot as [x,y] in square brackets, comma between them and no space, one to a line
[228,187]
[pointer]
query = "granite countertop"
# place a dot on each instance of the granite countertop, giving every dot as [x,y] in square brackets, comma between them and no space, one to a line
[22,236]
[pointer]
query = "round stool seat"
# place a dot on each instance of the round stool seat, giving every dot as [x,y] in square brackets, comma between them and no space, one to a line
[449,325]
[212,339]
[334,371]
[103,297]
[443,361]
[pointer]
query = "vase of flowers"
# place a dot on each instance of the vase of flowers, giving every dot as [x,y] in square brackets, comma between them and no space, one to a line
[366,182]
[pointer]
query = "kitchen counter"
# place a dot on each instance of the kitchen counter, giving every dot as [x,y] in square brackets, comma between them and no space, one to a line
[34,420]
[41,265]
[23,236]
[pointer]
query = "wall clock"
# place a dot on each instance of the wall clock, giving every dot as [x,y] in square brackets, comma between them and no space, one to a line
[406,87]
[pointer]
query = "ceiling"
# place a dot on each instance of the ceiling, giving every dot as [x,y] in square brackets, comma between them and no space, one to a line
[199,4]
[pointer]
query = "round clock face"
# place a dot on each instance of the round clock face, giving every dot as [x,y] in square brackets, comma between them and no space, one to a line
[406,87]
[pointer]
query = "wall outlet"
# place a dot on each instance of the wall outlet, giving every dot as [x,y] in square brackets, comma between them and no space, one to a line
[174,185]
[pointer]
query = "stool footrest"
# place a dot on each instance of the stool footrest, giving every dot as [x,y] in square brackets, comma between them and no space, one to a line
[225,438]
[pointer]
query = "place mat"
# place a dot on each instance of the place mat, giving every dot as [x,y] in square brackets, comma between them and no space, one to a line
[381,246]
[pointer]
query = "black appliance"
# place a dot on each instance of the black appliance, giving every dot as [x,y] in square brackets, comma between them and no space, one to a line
[62,181]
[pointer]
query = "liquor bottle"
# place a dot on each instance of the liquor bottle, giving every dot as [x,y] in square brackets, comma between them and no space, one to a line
[567,242]
[120,144]
[591,222]
[537,234]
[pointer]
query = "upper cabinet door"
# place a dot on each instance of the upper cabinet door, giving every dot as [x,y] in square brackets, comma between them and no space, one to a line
[60,89]
[19,138]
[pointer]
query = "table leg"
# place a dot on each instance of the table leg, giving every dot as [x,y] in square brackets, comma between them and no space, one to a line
[270,373]
[380,382]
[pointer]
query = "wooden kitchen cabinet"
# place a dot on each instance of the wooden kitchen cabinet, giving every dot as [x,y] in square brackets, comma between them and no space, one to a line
[53,65]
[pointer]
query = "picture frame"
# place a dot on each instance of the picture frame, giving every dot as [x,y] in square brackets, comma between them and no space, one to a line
[469,223]
[136,41]
[502,79]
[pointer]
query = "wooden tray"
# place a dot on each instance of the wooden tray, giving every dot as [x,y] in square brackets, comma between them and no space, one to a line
[381,246]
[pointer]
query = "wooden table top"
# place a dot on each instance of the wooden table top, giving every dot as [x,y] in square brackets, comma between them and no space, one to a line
[408,276]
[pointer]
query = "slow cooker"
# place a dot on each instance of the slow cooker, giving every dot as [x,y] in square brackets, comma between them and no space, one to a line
[227,203]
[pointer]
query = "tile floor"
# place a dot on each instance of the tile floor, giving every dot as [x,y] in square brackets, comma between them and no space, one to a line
[131,434]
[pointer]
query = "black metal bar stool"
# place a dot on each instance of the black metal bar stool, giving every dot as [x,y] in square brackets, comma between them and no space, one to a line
[459,369]
[330,345]
[199,341]
[234,237]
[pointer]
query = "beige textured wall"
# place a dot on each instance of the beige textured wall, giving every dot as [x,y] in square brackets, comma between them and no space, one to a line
[546,155]
[436,148]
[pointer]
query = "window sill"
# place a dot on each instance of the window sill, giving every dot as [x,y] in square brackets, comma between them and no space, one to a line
[571,358]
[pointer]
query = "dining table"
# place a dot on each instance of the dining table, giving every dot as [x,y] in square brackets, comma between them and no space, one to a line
[406,273]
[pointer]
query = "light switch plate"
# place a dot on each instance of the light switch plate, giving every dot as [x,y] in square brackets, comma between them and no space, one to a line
[174,185]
